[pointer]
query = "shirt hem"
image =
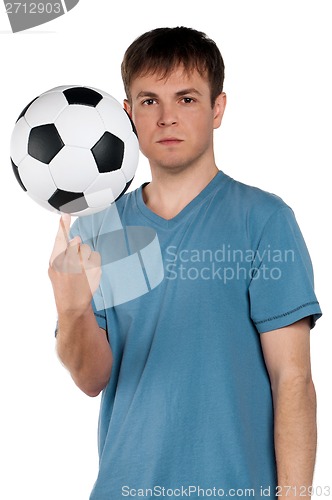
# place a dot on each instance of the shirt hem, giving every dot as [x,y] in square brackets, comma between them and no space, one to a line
[287,318]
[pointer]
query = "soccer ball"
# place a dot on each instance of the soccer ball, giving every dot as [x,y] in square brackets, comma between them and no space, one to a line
[74,150]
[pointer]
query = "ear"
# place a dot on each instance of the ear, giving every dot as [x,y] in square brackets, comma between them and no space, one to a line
[127,107]
[219,109]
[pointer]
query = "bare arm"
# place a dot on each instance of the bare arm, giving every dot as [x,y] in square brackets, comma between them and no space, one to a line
[287,356]
[81,345]
[84,350]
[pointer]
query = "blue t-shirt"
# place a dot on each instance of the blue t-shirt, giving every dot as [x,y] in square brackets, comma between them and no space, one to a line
[188,408]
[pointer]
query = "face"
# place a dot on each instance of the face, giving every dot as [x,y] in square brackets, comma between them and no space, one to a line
[174,118]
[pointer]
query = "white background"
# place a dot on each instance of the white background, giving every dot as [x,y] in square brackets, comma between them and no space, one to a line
[276,134]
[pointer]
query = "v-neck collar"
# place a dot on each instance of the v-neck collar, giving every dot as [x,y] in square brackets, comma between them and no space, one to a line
[219,178]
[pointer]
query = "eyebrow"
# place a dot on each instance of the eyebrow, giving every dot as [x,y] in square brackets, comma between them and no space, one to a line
[179,93]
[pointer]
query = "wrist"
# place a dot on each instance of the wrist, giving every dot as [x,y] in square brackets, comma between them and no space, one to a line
[71,318]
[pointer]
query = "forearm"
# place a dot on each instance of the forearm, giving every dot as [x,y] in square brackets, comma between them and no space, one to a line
[295,436]
[84,350]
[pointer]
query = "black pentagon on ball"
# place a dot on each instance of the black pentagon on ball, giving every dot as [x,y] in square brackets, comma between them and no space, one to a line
[17,175]
[108,153]
[68,202]
[82,95]
[44,143]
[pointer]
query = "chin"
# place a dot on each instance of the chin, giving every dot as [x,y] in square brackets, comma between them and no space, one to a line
[174,164]
[172,167]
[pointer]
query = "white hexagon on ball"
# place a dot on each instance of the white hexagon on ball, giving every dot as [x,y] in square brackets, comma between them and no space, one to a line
[115,118]
[80,135]
[73,169]
[105,189]
[45,109]
[36,177]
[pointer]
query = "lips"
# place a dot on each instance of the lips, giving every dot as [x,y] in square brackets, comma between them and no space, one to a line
[169,141]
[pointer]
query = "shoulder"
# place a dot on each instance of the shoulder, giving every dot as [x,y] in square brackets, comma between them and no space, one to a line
[254,197]
[251,210]
[253,202]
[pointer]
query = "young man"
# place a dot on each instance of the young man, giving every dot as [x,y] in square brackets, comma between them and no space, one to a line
[206,379]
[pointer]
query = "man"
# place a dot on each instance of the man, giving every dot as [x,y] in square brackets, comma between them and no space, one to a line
[206,379]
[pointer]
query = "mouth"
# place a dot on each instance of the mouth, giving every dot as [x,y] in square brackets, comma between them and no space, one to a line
[169,141]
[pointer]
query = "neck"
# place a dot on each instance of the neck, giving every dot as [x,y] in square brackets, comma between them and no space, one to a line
[170,191]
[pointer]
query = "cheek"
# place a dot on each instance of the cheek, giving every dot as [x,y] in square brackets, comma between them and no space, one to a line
[204,126]
[141,122]
[143,131]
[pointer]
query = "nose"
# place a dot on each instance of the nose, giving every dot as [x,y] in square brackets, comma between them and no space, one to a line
[168,116]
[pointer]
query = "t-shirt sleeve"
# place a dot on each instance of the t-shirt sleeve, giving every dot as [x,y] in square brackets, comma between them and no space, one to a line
[281,290]
[100,315]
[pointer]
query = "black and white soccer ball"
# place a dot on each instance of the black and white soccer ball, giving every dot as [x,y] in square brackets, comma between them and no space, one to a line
[74,150]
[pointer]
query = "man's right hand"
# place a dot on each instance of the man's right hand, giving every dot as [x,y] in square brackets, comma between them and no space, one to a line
[74,271]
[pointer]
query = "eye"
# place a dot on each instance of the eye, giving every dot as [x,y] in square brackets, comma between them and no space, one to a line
[187,100]
[148,102]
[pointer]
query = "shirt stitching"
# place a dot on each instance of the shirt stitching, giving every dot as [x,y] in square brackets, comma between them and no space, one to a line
[287,313]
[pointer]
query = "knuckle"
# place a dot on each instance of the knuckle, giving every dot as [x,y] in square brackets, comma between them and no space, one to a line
[96,256]
[84,247]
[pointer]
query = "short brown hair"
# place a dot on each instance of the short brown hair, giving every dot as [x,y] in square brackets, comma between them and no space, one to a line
[163,49]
